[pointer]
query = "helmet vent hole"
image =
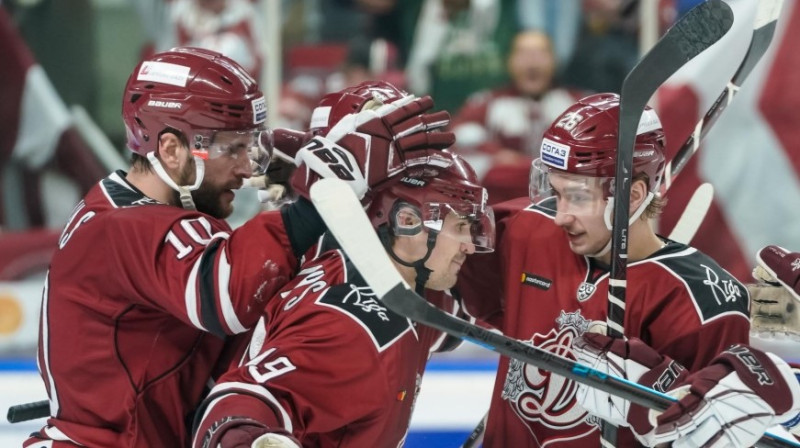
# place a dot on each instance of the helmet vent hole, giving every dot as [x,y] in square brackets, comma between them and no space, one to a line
[135,97]
[139,122]
[226,80]
[591,129]
[149,86]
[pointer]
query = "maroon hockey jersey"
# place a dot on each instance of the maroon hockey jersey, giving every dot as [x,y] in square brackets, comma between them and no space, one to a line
[679,301]
[137,301]
[328,363]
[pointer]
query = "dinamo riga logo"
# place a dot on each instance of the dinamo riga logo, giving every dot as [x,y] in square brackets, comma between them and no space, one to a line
[540,397]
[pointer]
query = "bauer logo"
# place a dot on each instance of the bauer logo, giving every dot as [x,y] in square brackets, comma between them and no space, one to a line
[259,110]
[536,281]
[164,104]
[413,182]
[554,154]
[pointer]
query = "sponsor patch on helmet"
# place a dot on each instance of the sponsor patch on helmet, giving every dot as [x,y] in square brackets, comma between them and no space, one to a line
[163,72]
[648,122]
[555,154]
[259,110]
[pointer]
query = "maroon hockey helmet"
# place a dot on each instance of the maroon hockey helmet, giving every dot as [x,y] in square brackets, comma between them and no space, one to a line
[199,93]
[583,141]
[334,106]
[435,186]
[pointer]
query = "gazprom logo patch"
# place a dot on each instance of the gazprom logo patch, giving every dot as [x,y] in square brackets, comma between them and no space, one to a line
[259,110]
[555,154]
[648,122]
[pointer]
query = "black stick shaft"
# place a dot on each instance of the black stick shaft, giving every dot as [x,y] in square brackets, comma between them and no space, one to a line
[28,411]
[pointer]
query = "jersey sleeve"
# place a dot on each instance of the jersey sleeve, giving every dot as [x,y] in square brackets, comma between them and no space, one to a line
[315,376]
[195,268]
[698,311]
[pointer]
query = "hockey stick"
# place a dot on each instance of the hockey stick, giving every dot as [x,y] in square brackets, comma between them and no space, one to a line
[763,32]
[693,214]
[28,411]
[476,436]
[694,33]
[342,213]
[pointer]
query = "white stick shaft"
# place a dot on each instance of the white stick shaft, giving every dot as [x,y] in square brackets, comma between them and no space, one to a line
[693,214]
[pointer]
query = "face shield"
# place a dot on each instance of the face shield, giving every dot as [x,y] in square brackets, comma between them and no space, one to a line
[466,223]
[573,194]
[253,144]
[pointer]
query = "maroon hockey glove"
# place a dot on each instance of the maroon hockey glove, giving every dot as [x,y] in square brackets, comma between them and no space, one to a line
[630,359]
[240,432]
[286,143]
[370,147]
[779,266]
[732,402]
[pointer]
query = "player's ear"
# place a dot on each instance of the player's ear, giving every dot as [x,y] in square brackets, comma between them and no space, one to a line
[169,150]
[638,194]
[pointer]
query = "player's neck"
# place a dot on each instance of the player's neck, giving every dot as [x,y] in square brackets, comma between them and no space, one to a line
[643,241]
[409,274]
[151,185]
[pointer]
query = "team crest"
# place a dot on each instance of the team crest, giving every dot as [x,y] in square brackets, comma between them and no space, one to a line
[544,401]
[585,290]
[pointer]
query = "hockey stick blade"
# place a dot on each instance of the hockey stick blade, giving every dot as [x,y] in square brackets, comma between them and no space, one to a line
[695,32]
[347,222]
[28,411]
[693,214]
[763,32]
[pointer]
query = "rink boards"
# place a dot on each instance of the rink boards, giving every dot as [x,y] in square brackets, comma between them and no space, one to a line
[454,397]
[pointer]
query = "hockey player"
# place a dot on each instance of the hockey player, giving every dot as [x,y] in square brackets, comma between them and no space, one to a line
[730,403]
[148,279]
[328,364]
[552,261]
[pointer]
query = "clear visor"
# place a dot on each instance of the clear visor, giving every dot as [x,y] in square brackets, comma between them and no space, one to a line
[253,145]
[557,191]
[467,223]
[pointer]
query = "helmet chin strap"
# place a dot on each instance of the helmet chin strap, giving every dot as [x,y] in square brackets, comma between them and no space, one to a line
[607,219]
[422,271]
[184,191]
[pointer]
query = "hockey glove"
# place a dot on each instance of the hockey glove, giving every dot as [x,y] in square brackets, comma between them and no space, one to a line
[241,432]
[778,266]
[731,402]
[630,359]
[370,147]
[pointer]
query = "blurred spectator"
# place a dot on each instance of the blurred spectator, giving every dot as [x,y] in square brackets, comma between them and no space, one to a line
[499,131]
[38,137]
[561,20]
[607,48]
[452,48]
[310,77]
[231,27]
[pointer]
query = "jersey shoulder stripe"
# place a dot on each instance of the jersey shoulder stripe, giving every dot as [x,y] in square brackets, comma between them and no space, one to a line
[120,193]
[714,290]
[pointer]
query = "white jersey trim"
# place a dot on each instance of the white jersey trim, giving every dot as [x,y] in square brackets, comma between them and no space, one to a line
[56,434]
[263,392]
[54,405]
